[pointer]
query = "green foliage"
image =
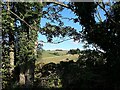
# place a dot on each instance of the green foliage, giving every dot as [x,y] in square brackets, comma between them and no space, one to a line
[93,67]
[7,31]
[51,31]
[74,51]
[47,77]
[104,35]
[22,36]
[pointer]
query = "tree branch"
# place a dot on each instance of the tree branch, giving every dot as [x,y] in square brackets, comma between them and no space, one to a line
[59,3]
[56,42]
[107,13]
[62,4]
[23,20]
[54,1]
[100,19]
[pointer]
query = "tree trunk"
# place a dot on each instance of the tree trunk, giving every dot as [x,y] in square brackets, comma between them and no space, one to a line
[29,74]
[22,79]
[11,50]
[11,53]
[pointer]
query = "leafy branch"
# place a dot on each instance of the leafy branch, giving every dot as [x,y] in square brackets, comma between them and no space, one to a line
[108,15]
[56,42]
[23,20]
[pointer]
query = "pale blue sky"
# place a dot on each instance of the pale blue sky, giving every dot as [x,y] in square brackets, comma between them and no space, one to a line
[70,44]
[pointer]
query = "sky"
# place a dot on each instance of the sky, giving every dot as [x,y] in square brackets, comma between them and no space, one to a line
[66,45]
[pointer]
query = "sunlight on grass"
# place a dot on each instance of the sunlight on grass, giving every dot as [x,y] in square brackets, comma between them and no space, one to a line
[49,56]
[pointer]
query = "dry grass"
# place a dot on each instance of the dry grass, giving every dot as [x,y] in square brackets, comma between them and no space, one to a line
[48,57]
[57,59]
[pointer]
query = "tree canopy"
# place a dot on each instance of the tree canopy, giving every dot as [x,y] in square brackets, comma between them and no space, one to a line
[20,22]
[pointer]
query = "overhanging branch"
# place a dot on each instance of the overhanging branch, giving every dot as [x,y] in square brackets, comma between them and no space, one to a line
[62,4]
[59,3]
[103,8]
[56,42]
[23,20]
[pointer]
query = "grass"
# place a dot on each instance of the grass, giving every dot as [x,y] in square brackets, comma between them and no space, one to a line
[56,57]
[51,53]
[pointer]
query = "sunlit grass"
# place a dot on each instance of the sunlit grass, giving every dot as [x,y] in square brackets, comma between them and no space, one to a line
[48,56]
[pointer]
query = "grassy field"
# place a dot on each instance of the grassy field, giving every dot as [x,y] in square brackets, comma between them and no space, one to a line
[56,56]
